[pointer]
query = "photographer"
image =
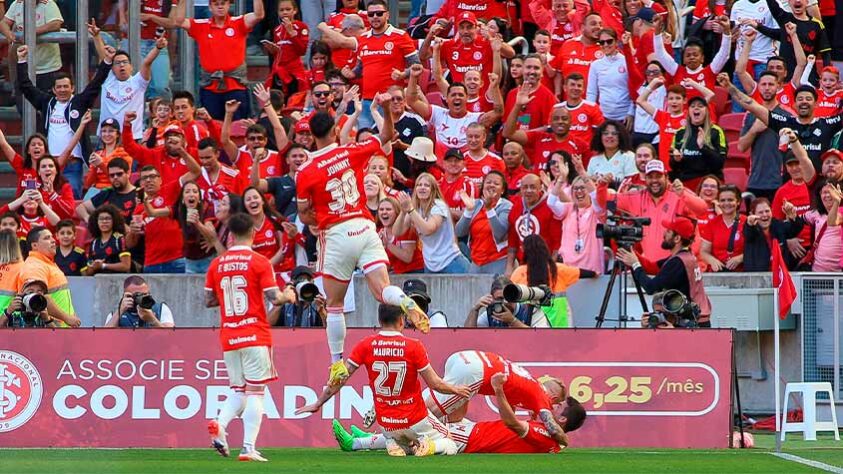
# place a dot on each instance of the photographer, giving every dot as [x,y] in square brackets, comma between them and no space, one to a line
[29,308]
[309,309]
[680,271]
[138,309]
[417,290]
[492,311]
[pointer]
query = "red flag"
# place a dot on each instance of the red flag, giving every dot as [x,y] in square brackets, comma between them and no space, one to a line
[782,280]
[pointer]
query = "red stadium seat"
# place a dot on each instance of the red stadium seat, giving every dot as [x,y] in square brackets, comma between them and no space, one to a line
[721,101]
[435,98]
[83,238]
[732,124]
[426,81]
[736,158]
[736,176]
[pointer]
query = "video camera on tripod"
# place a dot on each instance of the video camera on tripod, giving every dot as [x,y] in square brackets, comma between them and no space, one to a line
[624,229]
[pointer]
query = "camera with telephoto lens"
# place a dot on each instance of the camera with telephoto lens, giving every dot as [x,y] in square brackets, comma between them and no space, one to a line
[143,300]
[32,306]
[537,295]
[675,309]
[496,307]
[306,290]
[623,229]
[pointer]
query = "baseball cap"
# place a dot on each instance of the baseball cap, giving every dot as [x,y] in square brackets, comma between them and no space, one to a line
[654,166]
[415,287]
[35,280]
[832,153]
[467,16]
[173,128]
[302,126]
[454,153]
[681,226]
[646,14]
[111,122]
[299,271]
[789,157]
[697,99]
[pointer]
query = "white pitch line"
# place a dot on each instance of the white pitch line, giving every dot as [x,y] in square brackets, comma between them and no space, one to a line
[808,462]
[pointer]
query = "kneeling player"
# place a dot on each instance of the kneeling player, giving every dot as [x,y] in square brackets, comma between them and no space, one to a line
[507,435]
[475,369]
[394,363]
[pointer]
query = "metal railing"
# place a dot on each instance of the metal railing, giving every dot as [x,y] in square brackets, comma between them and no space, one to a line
[822,318]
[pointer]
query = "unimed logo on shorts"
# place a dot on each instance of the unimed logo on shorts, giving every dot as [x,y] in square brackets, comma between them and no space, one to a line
[20,390]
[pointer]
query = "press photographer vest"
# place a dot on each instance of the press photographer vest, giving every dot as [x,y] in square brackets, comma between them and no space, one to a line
[133,320]
[695,284]
[524,313]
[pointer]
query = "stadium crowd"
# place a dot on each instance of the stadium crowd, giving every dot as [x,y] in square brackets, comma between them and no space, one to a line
[727,113]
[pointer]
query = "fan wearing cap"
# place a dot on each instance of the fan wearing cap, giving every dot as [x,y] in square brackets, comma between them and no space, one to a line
[97,177]
[832,169]
[679,271]
[699,148]
[417,290]
[172,160]
[797,191]
[17,315]
[480,9]
[454,182]
[309,309]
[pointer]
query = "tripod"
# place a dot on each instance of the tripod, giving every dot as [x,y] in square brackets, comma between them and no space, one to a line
[619,269]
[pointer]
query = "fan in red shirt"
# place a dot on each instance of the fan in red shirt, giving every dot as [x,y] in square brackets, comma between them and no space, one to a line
[404,251]
[535,112]
[237,282]
[347,7]
[531,215]
[479,161]
[159,251]
[515,161]
[217,179]
[454,182]
[168,159]
[577,54]
[585,115]
[482,9]
[476,370]
[289,47]
[184,112]
[563,20]
[669,120]
[328,196]
[394,364]
[539,143]
[722,239]
[829,96]
[272,235]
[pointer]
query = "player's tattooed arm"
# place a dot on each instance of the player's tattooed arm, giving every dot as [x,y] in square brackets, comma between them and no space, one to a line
[211,300]
[330,391]
[280,297]
[553,427]
[505,410]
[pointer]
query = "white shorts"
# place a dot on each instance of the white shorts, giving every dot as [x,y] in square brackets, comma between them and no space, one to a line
[429,427]
[460,432]
[349,245]
[461,368]
[249,365]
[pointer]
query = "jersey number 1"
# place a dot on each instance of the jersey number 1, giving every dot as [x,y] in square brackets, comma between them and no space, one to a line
[236,301]
[383,369]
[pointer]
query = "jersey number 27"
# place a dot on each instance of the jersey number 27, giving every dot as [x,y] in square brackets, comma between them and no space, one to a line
[384,369]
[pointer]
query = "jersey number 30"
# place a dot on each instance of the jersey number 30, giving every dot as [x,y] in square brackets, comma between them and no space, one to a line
[236,301]
[383,369]
[343,191]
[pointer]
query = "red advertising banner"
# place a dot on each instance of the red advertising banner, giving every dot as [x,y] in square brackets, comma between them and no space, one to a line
[157,388]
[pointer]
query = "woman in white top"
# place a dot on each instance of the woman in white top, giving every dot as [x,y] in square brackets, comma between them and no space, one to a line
[615,158]
[428,213]
[608,80]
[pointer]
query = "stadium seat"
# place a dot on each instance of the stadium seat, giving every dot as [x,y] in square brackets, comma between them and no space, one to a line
[721,101]
[732,124]
[736,158]
[736,176]
[83,238]
[435,98]
[426,81]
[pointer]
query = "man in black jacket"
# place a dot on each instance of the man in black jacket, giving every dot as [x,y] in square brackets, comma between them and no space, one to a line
[61,112]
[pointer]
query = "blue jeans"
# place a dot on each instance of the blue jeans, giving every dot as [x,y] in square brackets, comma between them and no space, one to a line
[498,267]
[415,9]
[198,266]
[73,174]
[366,120]
[173,266]
[756,71]
[458,265]
[215,103]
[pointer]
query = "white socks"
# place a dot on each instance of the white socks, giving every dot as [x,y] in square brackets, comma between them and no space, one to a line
[335,329]
[234,406]
[393,295]
[252,417]
[376,441]
[445,446]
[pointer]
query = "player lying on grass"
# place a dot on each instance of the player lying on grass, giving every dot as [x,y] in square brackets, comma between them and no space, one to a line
[394,363]
[507,435]
[546,398]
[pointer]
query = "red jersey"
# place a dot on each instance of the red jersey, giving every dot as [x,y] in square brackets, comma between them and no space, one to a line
[221,48]
[479,104]
[668,126]
[460,58]
[27,223]
[332,179]
[171,168]
[800,196]
[543,143]
[537,113]
[379,54]
[718,235]
[157,8]
[239,278]
[416,265]
[786,96]
[393,363]
[194,132]
[23,174]
[272,165]
[521,389]
[704,76]
[267,242]
[482,9]
[513,179]
[584,118]
[288,63]
[536,221]
[575,56]
[336,18]
[828,105]
[165,242]
[484,248]
[451,191]
[477,169]
[561,33]
[228,181]
[495,437]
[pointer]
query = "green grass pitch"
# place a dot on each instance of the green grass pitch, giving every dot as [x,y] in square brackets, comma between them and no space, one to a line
[161,461]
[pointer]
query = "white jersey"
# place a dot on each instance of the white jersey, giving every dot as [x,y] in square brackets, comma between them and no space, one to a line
[450,131]
[119,97]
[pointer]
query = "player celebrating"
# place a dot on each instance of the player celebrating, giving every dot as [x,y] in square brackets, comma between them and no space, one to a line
[476,369]
[506,435]
[328,196]
[394,363]
[241,278]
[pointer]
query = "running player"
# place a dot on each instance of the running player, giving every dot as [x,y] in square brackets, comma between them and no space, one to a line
[241,279]
[476,369]
[394,363]
[507,435]
[328,196]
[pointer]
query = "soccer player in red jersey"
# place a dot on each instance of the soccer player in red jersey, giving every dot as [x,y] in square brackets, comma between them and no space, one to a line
[476,369]
[237,282]
[328,196]
[394,363]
